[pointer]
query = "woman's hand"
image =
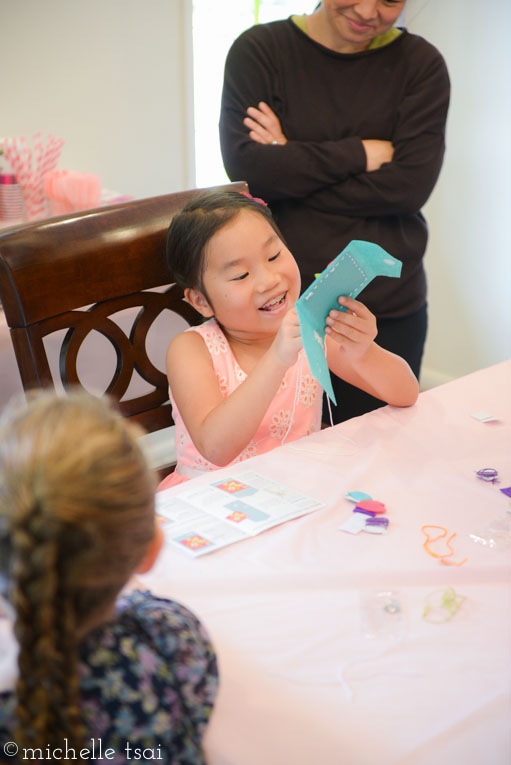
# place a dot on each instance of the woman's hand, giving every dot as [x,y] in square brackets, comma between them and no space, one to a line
[353,331]
[288,340]
[264,125]
[377,153]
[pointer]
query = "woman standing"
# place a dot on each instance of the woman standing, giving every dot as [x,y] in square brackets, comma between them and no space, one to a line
[337,119]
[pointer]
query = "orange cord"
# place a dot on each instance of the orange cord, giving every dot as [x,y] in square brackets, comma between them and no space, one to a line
[431,540]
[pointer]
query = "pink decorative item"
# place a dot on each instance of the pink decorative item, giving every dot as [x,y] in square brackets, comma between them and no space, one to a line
[68,190]
[31,174]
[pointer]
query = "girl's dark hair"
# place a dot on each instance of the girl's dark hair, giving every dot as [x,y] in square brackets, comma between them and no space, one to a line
[192,228]
[76,518]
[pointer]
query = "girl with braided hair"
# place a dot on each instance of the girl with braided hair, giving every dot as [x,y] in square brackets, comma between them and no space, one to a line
[126,673]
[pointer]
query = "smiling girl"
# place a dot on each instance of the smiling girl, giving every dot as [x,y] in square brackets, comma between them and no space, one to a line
[240,383]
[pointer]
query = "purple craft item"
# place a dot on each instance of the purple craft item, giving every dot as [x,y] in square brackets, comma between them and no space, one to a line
[358,509]
[506,491]
[487,474]
[377,522]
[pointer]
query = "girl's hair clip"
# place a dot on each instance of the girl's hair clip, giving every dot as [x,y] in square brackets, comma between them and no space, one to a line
[255,199]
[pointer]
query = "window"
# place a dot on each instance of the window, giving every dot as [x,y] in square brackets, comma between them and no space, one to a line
[215,25]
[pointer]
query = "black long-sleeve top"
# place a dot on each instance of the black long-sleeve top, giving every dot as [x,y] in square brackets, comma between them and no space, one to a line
[316,184]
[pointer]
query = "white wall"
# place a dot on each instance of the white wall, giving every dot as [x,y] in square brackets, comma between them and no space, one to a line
[469,254]
[109,77]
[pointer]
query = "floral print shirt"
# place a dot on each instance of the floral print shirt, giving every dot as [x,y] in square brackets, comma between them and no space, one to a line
[294,412]
[148,683]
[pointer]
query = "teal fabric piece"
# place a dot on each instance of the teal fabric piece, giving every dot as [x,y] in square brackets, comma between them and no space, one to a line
[347,275]
[357,496]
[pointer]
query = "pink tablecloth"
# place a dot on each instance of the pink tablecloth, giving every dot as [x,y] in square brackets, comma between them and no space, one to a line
[301,682]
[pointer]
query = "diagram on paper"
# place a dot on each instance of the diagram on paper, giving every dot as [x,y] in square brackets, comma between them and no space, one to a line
[204,518]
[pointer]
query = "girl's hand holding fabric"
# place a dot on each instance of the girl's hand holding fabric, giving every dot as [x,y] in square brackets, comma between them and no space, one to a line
[354,356]
[264,125]
[288,341]
[354,331]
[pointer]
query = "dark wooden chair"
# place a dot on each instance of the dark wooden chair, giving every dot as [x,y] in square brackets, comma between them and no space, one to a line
[64,280]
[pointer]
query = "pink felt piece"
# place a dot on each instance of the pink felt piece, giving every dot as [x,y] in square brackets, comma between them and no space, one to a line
[372,506]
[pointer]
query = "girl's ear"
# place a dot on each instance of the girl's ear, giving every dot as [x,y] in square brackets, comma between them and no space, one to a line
[152,553]
[199,302]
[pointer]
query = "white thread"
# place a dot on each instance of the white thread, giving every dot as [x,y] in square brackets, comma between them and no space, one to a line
[341,670]
[364,281]
[329,410]
[298,383]
[331,450]
[326,394]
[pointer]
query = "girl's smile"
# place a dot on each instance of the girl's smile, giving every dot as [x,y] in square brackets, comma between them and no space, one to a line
[275,304]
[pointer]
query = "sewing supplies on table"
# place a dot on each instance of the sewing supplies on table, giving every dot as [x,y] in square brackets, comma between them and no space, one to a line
[488,474]
[367,515]
[442,605]
[442,557]
[484,417]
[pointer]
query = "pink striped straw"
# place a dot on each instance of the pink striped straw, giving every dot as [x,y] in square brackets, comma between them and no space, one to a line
[30,174]
[37,203]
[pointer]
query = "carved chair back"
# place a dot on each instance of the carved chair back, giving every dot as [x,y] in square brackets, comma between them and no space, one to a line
[98,271]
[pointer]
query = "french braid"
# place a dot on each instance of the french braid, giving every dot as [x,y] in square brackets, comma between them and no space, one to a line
[42,685]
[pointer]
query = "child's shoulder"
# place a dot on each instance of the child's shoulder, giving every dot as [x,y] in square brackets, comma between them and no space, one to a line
[149,610]
[143,619]
[197,338]
[189,338]
[170,625]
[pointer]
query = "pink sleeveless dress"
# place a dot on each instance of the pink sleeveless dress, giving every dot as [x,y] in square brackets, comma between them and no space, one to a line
[294,412]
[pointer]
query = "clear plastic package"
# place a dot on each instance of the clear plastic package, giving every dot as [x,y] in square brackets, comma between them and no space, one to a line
[383,614]
[442,605]
[496,536]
